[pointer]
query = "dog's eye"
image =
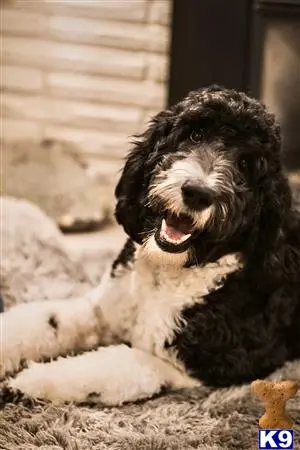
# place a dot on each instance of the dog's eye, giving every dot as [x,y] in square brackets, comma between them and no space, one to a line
[243,164]
[261,164]
[196,136]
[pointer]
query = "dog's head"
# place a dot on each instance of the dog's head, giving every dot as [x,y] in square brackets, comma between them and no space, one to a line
[205,173]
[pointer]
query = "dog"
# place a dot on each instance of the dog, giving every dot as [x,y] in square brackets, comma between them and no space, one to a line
[207,286]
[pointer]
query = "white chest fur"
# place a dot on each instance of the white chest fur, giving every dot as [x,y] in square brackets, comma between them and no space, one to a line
[143,305]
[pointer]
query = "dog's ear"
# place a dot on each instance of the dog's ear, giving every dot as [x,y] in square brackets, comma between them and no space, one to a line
[132,189]
[277,193]
[276,204]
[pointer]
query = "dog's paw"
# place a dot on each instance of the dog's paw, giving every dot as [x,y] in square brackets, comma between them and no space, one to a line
[9,395]
[34,381]
[2,370]
[109,376]
[58,382]
[10,363]
[27,333]
[11,357]
[46,382]
[12,340]
[53,381]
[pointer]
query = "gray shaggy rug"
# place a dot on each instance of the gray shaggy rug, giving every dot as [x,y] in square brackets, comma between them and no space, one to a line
[35,264]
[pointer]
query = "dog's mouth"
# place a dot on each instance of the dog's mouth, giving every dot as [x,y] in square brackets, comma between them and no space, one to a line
[175,232]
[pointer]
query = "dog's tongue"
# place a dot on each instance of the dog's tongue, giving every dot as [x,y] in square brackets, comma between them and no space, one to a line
[177,228]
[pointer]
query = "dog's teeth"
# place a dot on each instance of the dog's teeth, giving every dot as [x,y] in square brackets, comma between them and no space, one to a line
[164,226]
[167,238]
[175,241]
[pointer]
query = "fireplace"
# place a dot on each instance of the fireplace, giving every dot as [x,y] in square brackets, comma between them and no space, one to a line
[277,69]
[253,45]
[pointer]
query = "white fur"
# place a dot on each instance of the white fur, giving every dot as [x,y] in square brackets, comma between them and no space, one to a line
[141,305]
[153,252]
[25,333]
[111,375]
[167,187]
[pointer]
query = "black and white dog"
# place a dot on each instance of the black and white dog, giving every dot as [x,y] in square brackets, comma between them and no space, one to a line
[207,287]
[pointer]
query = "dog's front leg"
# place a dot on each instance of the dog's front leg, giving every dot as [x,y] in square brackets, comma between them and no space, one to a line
[110,376]
[46,329]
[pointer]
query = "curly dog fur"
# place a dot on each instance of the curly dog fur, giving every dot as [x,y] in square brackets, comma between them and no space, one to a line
[207,287]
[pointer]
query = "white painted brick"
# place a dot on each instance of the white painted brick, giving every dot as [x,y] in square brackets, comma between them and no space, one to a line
[103,64]
[14,130]
[72,113]
[22,22]
[160,11]
[146,93]
[157,67]
[112,34]
[83,58]
[21,78]
[127,10]
[111,145]
[158,39]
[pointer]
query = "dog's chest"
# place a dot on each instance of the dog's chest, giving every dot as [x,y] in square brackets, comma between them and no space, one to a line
[160,296]
[157,298]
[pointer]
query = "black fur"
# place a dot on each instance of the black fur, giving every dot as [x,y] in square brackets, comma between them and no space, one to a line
[1,304]
[15,396]
[53,322]
[241,333]
[124,258]
[251,325]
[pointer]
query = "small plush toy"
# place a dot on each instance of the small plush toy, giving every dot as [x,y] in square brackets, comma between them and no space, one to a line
[274,396]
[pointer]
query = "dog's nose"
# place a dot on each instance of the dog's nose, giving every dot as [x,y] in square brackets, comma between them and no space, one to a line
[196,196]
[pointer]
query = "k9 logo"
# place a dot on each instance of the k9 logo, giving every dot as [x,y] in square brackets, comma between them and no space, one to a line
[270,439]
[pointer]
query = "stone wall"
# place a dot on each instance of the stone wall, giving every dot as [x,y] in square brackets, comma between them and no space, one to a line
[91,72]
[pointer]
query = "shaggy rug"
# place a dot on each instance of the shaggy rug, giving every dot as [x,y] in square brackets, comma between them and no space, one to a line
[35,264]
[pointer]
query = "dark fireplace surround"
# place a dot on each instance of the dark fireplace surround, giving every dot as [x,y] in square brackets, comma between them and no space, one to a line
[252,45]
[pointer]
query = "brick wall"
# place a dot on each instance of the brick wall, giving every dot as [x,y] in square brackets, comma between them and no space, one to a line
[87,71]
